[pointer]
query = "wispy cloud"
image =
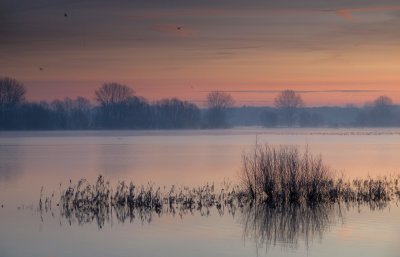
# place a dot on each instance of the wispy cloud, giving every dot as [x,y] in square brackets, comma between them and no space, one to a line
[179,13]
[303,91]
[347,13]
[343,12]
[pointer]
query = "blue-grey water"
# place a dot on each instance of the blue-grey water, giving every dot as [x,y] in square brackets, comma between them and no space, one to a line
[30,160]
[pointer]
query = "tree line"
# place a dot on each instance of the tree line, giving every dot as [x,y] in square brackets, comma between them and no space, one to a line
[117,106]
[290,111]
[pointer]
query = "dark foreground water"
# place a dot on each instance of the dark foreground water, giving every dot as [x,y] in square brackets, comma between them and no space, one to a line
[30,160]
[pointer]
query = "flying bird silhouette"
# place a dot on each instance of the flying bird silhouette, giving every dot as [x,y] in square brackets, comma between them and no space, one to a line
[41,68]
[65,15]
[179,28]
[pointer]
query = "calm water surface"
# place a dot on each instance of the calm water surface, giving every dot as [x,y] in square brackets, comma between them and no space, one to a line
[30,160]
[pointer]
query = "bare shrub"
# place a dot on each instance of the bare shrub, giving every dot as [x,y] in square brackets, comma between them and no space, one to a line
[283,174]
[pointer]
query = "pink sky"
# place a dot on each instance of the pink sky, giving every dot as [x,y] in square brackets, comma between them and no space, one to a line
[335,53]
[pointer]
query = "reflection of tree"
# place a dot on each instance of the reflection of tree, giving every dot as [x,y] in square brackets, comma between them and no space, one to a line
[287,225]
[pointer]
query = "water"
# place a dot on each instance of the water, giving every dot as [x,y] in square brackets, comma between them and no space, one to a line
[30,160]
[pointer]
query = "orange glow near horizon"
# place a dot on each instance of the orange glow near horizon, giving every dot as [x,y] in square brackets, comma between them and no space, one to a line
[333,55]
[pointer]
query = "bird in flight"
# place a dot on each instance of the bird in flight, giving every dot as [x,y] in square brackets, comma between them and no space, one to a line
[179,28]
[41,68]
[65,15]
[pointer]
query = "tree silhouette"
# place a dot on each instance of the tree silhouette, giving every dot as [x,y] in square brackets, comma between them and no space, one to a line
[71,113]
[113,99]
[12,94]
[382,111]
[176,114]
[288,101]
[269,118]
[218,102]
[113,93]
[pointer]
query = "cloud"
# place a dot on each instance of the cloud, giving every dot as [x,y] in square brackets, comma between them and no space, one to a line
[342,11]
[151,14]
[303,91]
[347,13]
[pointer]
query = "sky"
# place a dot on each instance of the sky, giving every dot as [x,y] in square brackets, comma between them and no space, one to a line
[333,52]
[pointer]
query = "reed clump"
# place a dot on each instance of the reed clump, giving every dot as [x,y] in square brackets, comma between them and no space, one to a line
[279,175]
[85,202]
[284,175]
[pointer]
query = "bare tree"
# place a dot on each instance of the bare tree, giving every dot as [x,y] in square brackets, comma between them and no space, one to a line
[113,93]
[382,111]
[113,99]
[174,113]
[71,113]
[383,101]
[12,93]
[288,101]
[218,102]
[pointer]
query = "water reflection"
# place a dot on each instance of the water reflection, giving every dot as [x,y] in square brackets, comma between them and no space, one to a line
[114,159]
[11,162]
[287,225]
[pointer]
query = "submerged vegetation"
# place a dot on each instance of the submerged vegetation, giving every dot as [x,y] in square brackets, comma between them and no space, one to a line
[84,202]
[277,182]
[282,175]
[285,196]
[277,175]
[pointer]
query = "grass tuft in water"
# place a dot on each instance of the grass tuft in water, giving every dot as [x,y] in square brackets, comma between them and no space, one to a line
[86,202]
[278,175]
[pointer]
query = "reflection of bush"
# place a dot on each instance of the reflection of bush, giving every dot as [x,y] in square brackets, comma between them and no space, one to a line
[267,223]
[288,224]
